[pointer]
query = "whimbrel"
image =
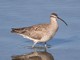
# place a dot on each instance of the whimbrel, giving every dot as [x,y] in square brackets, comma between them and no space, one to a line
[40,32]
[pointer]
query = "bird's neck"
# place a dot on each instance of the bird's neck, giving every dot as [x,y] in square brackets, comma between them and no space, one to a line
[53,24]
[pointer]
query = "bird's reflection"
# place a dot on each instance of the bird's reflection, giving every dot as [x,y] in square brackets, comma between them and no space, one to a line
[35,55]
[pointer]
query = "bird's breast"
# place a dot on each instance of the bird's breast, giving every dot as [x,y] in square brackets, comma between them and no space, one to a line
[52,31]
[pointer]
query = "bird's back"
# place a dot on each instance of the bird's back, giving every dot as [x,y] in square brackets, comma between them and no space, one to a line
[35,31]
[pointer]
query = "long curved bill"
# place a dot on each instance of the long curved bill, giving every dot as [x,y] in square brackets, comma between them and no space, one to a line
[62,20]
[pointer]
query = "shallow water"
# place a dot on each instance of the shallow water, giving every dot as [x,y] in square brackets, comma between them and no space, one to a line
[19,13]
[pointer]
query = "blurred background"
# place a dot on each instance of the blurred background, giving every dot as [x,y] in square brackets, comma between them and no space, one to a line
[23,13]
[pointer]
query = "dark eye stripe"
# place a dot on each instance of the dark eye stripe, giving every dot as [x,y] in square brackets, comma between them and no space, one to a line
[52,16]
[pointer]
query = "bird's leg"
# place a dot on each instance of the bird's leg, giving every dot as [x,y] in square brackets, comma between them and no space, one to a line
[34,44]
[45,45]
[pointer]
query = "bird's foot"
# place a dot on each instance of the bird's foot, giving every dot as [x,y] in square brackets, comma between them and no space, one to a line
[47,46]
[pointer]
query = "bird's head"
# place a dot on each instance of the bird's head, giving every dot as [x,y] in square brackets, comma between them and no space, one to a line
[55,16]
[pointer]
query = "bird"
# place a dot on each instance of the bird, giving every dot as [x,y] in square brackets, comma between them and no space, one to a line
[40,32]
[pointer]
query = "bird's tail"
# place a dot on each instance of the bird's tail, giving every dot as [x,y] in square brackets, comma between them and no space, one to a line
[15,30]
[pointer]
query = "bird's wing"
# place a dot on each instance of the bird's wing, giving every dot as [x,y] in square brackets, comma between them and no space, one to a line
[35,31]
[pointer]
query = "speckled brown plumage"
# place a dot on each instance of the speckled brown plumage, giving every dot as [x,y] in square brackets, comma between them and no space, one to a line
[35,31]
[40,32]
